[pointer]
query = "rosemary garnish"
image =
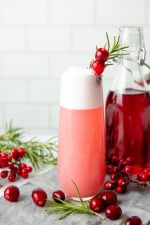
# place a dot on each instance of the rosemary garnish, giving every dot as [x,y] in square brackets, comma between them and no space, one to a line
[66,208]
[37,152]
[116,51]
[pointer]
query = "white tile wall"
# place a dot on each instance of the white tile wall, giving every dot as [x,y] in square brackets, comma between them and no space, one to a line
[40,38]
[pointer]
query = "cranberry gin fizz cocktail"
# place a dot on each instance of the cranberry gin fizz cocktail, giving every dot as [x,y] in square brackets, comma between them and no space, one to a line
[81,143]
[81,155]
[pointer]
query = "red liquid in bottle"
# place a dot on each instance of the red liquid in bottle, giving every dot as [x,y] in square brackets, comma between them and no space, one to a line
[128,125]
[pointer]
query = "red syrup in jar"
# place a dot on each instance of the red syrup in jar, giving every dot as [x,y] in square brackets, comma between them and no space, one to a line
[128,125]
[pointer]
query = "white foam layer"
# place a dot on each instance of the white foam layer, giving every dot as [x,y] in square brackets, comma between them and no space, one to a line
[80,89]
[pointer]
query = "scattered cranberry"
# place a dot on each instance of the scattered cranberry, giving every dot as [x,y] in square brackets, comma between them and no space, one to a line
[142,176]
[97,67]
[109,198]
[11,193]
[58,195]
[15,154]
[131,160]
[4,174]
[24,175]
[109,185]
[121,181]
[21,152]
[96,204]
[29,169]
[12,177]
[146,170]
[114,159]
[101,55]
[121,189]
[113,176]
[127,169]
[113,212]
[23,165]
[134,220]
[39,196]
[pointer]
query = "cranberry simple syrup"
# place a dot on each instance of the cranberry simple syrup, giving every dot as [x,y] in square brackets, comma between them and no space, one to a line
[128,124]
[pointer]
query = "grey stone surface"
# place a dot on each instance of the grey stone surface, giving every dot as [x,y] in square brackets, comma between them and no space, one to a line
[24,212]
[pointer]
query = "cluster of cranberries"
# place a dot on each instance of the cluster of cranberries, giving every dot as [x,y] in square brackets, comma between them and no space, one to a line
[101,56]
[107,202]
[121,172]
[12,166]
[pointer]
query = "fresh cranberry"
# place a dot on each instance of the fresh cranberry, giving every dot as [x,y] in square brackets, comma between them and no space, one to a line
[101,55]
[133,220]
[21,152]
[109,198]
[113,176]
[11,193]
[130,160]
[9,158]
[97,67]
[121,189]
[24,175]
[15,154]
[29,169]
[114,159]
[58,195]
[127,169]
[11,166]
[113,212]
[4,174]
[3,155]
[24,170]
[22,165]
[12,177]
[39,196]
[109,185]
[96,204]
[146,170]
[121,181]
[142,176]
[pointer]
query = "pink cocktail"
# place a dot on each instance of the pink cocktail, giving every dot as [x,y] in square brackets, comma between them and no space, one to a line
[81,156]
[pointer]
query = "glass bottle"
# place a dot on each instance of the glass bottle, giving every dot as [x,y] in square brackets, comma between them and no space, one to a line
[81,142]
[128,103]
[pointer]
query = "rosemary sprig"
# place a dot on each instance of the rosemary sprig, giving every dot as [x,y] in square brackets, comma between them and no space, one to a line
[115,51]
[66,208]
[38,153]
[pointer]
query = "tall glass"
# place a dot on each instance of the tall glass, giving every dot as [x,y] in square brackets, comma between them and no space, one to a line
[128,103]
[81,155]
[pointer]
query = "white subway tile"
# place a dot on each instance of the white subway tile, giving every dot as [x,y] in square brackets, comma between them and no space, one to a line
[126,12]
[49,39]
[28,116]
[25,65]
[148,10]
[86,39]
[13,91]
[23,11]
[54,116]
[59,62]
[74,12]
[44,91]
[12,39]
